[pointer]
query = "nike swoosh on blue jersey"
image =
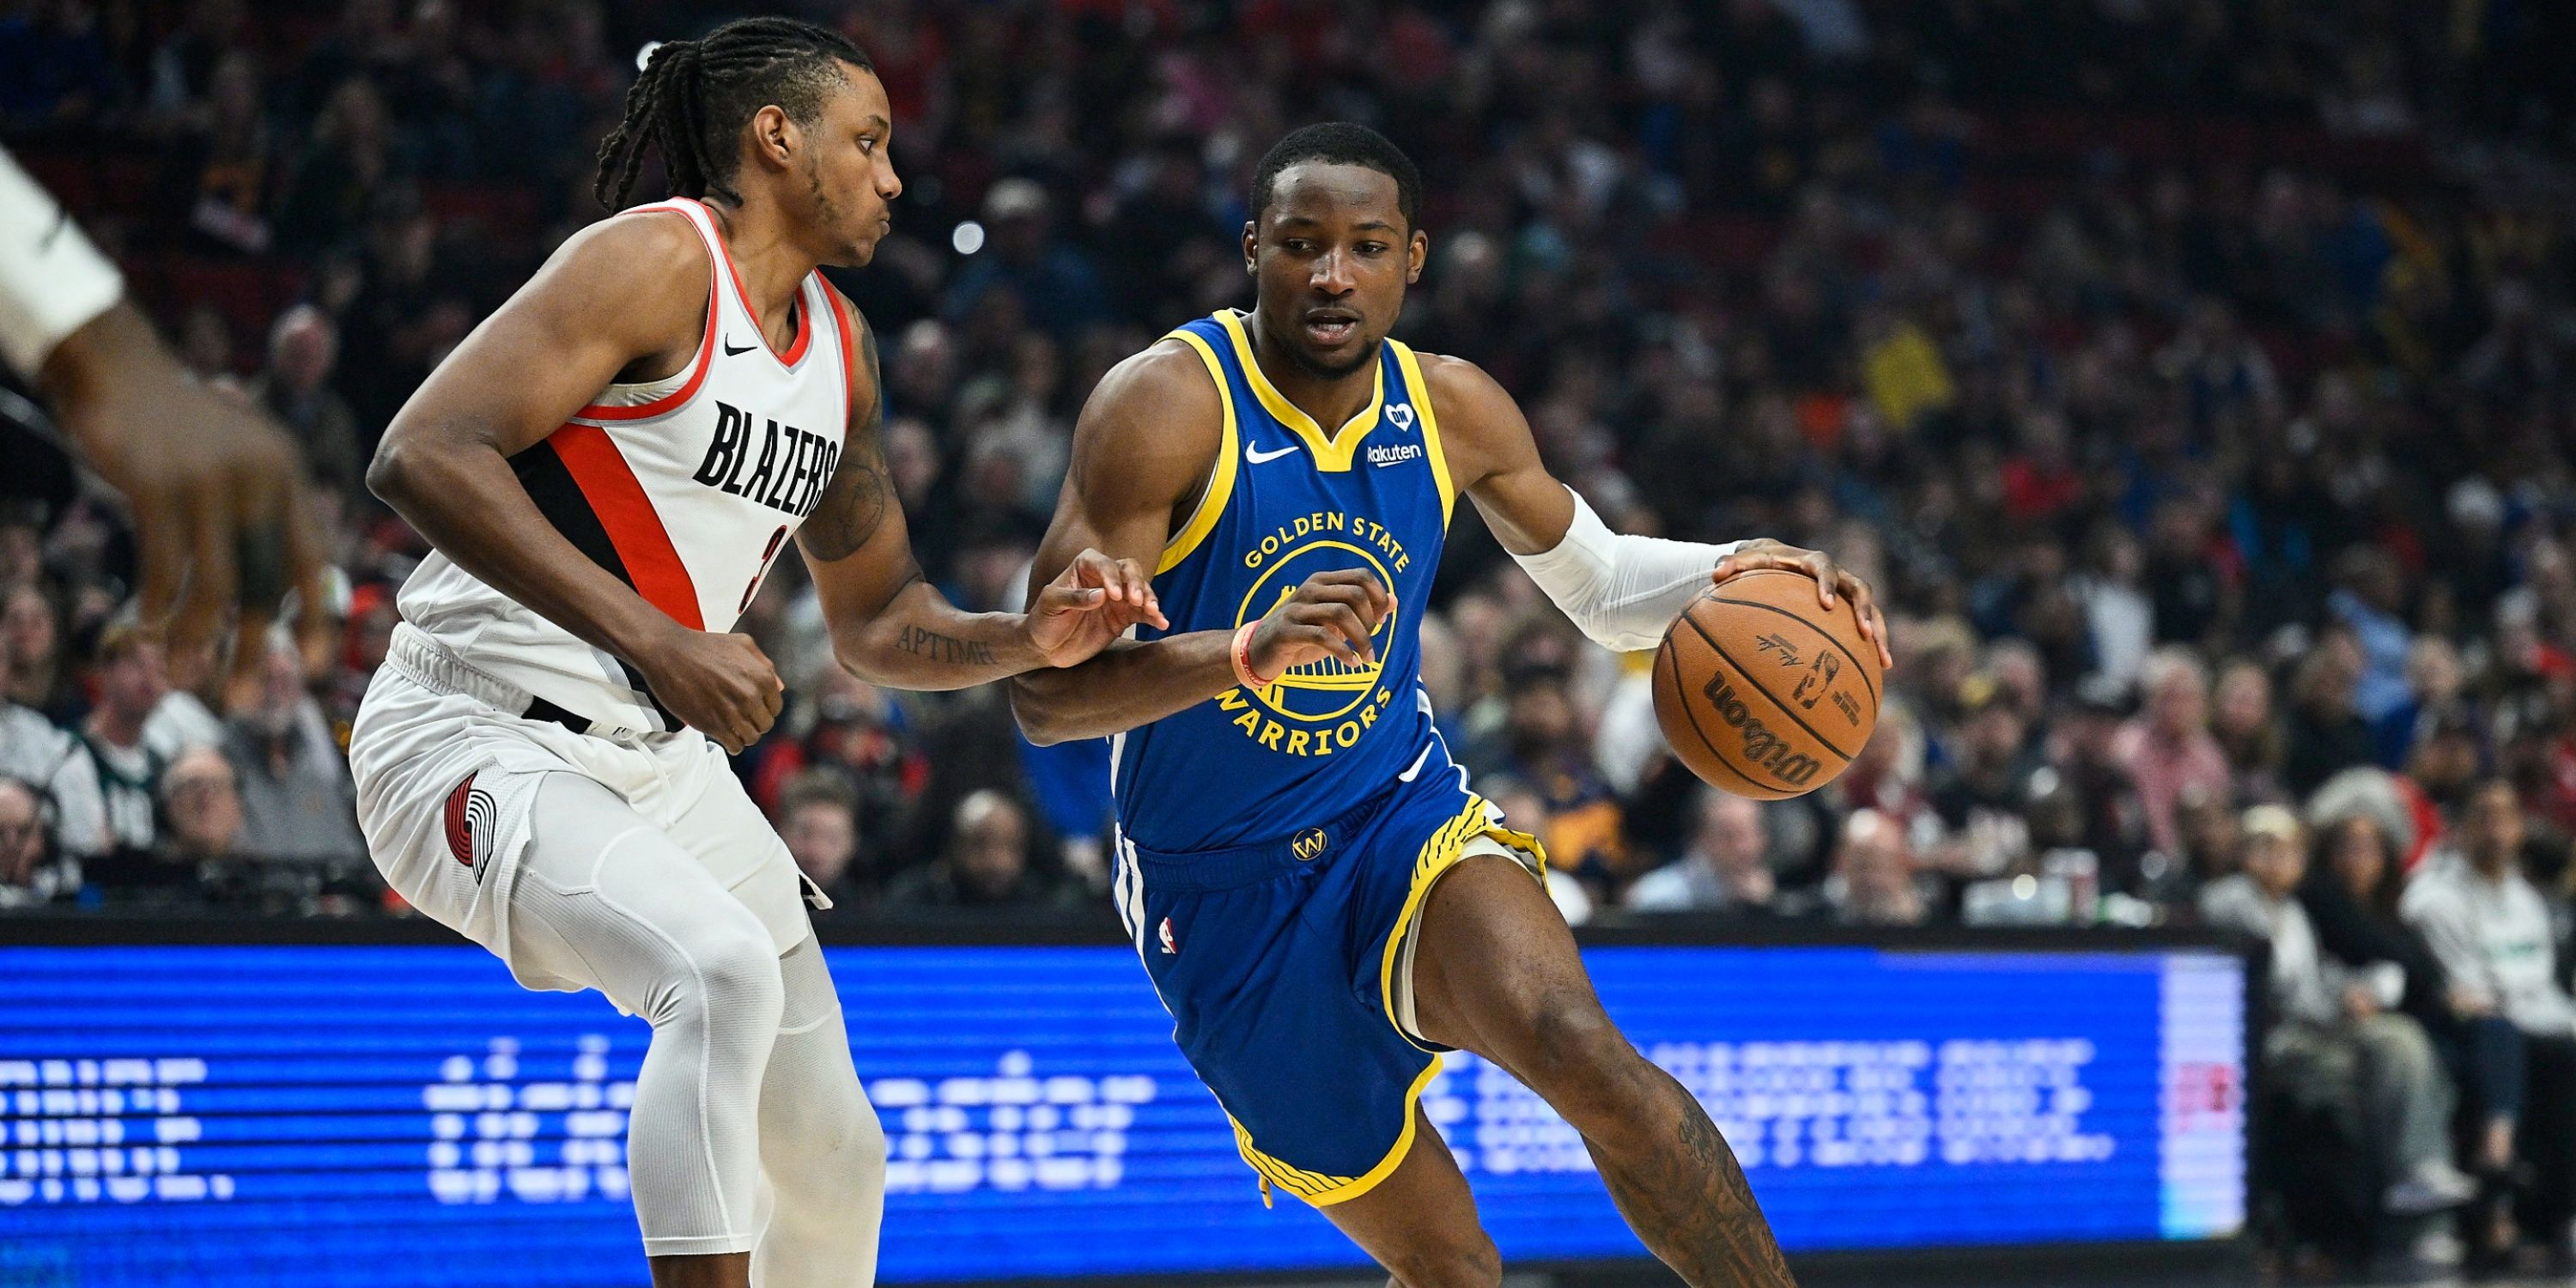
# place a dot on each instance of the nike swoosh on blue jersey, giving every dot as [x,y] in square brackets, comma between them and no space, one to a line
[1257,456]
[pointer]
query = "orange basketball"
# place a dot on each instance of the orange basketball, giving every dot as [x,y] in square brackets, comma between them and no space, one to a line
[1763,692]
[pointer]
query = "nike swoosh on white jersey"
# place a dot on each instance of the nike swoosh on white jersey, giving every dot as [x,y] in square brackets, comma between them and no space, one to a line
[1257,456]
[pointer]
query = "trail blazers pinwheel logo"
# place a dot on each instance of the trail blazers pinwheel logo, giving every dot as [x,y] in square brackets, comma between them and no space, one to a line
[470,820]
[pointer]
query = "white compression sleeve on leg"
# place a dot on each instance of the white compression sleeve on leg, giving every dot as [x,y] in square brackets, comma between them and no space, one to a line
[52,280]
[822,1151]
[1622,590]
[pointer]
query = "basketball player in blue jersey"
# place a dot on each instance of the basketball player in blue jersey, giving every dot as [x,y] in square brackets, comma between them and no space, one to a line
[1319,898]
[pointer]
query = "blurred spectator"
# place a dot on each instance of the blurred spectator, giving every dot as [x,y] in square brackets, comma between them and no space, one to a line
[1542,743]
[348,162]
[31,873]
[35,751]
[131,683]
[818,818]
[297,802]
[1983,793]
[989,862]
[1051,280]
[2326,731]
[33,622]
[2168,749]
[1873,881]
[2248,732]
[2493,935]
[296,387]
[1727,868]
[202,808]
[2368,601]
[2334,1044]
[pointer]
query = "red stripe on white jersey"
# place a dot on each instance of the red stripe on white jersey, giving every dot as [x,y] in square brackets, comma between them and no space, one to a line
[634,526]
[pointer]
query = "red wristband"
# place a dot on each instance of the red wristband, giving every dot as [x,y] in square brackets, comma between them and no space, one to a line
[1243,657]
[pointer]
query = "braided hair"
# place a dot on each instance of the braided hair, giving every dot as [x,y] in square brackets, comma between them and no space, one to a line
[694,97]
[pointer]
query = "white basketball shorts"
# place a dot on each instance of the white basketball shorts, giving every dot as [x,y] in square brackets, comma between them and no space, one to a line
[446,776]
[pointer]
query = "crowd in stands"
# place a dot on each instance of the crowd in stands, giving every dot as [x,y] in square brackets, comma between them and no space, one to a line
[2194,380]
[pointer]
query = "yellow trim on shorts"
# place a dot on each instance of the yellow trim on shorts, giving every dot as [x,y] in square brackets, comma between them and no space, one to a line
[1220,486]
[1421,394]
[1439,854]
[1324,1191]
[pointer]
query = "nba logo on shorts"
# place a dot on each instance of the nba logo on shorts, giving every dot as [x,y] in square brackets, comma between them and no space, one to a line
[469,825]
[1170,945]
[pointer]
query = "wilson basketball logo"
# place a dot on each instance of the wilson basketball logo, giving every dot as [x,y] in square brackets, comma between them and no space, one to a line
[469,818]
[1761,746]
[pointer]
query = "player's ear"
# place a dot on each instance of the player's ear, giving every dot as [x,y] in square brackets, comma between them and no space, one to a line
[1251,241]
[1417,252]
[773,135]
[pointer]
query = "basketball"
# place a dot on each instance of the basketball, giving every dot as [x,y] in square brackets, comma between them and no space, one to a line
[1763,692]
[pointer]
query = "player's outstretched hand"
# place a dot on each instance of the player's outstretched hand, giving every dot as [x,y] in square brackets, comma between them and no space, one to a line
[1093,601]
[224,521]
[720,685]
[1332,615]
[1831,579]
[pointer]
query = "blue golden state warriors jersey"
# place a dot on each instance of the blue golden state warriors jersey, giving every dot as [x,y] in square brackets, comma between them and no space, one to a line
[1286,501]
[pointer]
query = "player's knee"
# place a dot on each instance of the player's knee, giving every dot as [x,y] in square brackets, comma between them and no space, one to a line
[729,983]
[1468,1261]
[1580,1063]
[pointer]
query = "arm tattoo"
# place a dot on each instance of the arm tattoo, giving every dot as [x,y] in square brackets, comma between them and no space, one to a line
[854,504]
[944,648]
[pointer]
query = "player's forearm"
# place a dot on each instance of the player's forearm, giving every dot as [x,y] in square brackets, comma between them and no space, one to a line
[1127,685]
[466,500]
[921,641]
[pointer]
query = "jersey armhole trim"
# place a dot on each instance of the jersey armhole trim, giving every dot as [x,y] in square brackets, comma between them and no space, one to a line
[698,366]
[1220,486]
[847,328]
[1421,392]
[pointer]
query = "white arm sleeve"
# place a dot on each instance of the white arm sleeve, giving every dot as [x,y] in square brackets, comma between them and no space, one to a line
[52,280]
[1622,590]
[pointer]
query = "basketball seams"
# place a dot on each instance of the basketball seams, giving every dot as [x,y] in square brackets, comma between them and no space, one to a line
[1711,596]
[1681,698]
[1750,683]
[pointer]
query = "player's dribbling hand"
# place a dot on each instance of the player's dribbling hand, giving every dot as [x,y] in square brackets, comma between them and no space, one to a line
[1093,601]
[1332,615]
[1831,579]
[224,520]
[723,686]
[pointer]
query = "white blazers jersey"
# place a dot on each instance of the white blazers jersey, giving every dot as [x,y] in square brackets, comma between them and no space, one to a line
[685,488]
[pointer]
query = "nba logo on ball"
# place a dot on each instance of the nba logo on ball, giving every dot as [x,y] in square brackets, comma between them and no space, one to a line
[1763,691]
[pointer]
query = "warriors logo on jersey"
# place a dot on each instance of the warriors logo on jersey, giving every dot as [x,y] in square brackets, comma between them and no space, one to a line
[1287,501]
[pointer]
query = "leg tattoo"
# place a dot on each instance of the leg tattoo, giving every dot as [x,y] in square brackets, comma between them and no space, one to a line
[1683,1192]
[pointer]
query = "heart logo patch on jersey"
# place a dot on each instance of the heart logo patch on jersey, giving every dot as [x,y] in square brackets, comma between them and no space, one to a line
[1402,415]
[470,815]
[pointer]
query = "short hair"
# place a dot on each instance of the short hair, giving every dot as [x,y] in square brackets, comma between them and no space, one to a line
[1341,143]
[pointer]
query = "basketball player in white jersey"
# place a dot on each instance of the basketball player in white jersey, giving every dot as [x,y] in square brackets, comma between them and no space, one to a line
[608,468]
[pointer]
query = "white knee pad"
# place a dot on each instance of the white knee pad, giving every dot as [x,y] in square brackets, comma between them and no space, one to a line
[821,1149]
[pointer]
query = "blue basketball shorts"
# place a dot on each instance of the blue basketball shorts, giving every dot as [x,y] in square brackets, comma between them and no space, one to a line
[1284,967]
